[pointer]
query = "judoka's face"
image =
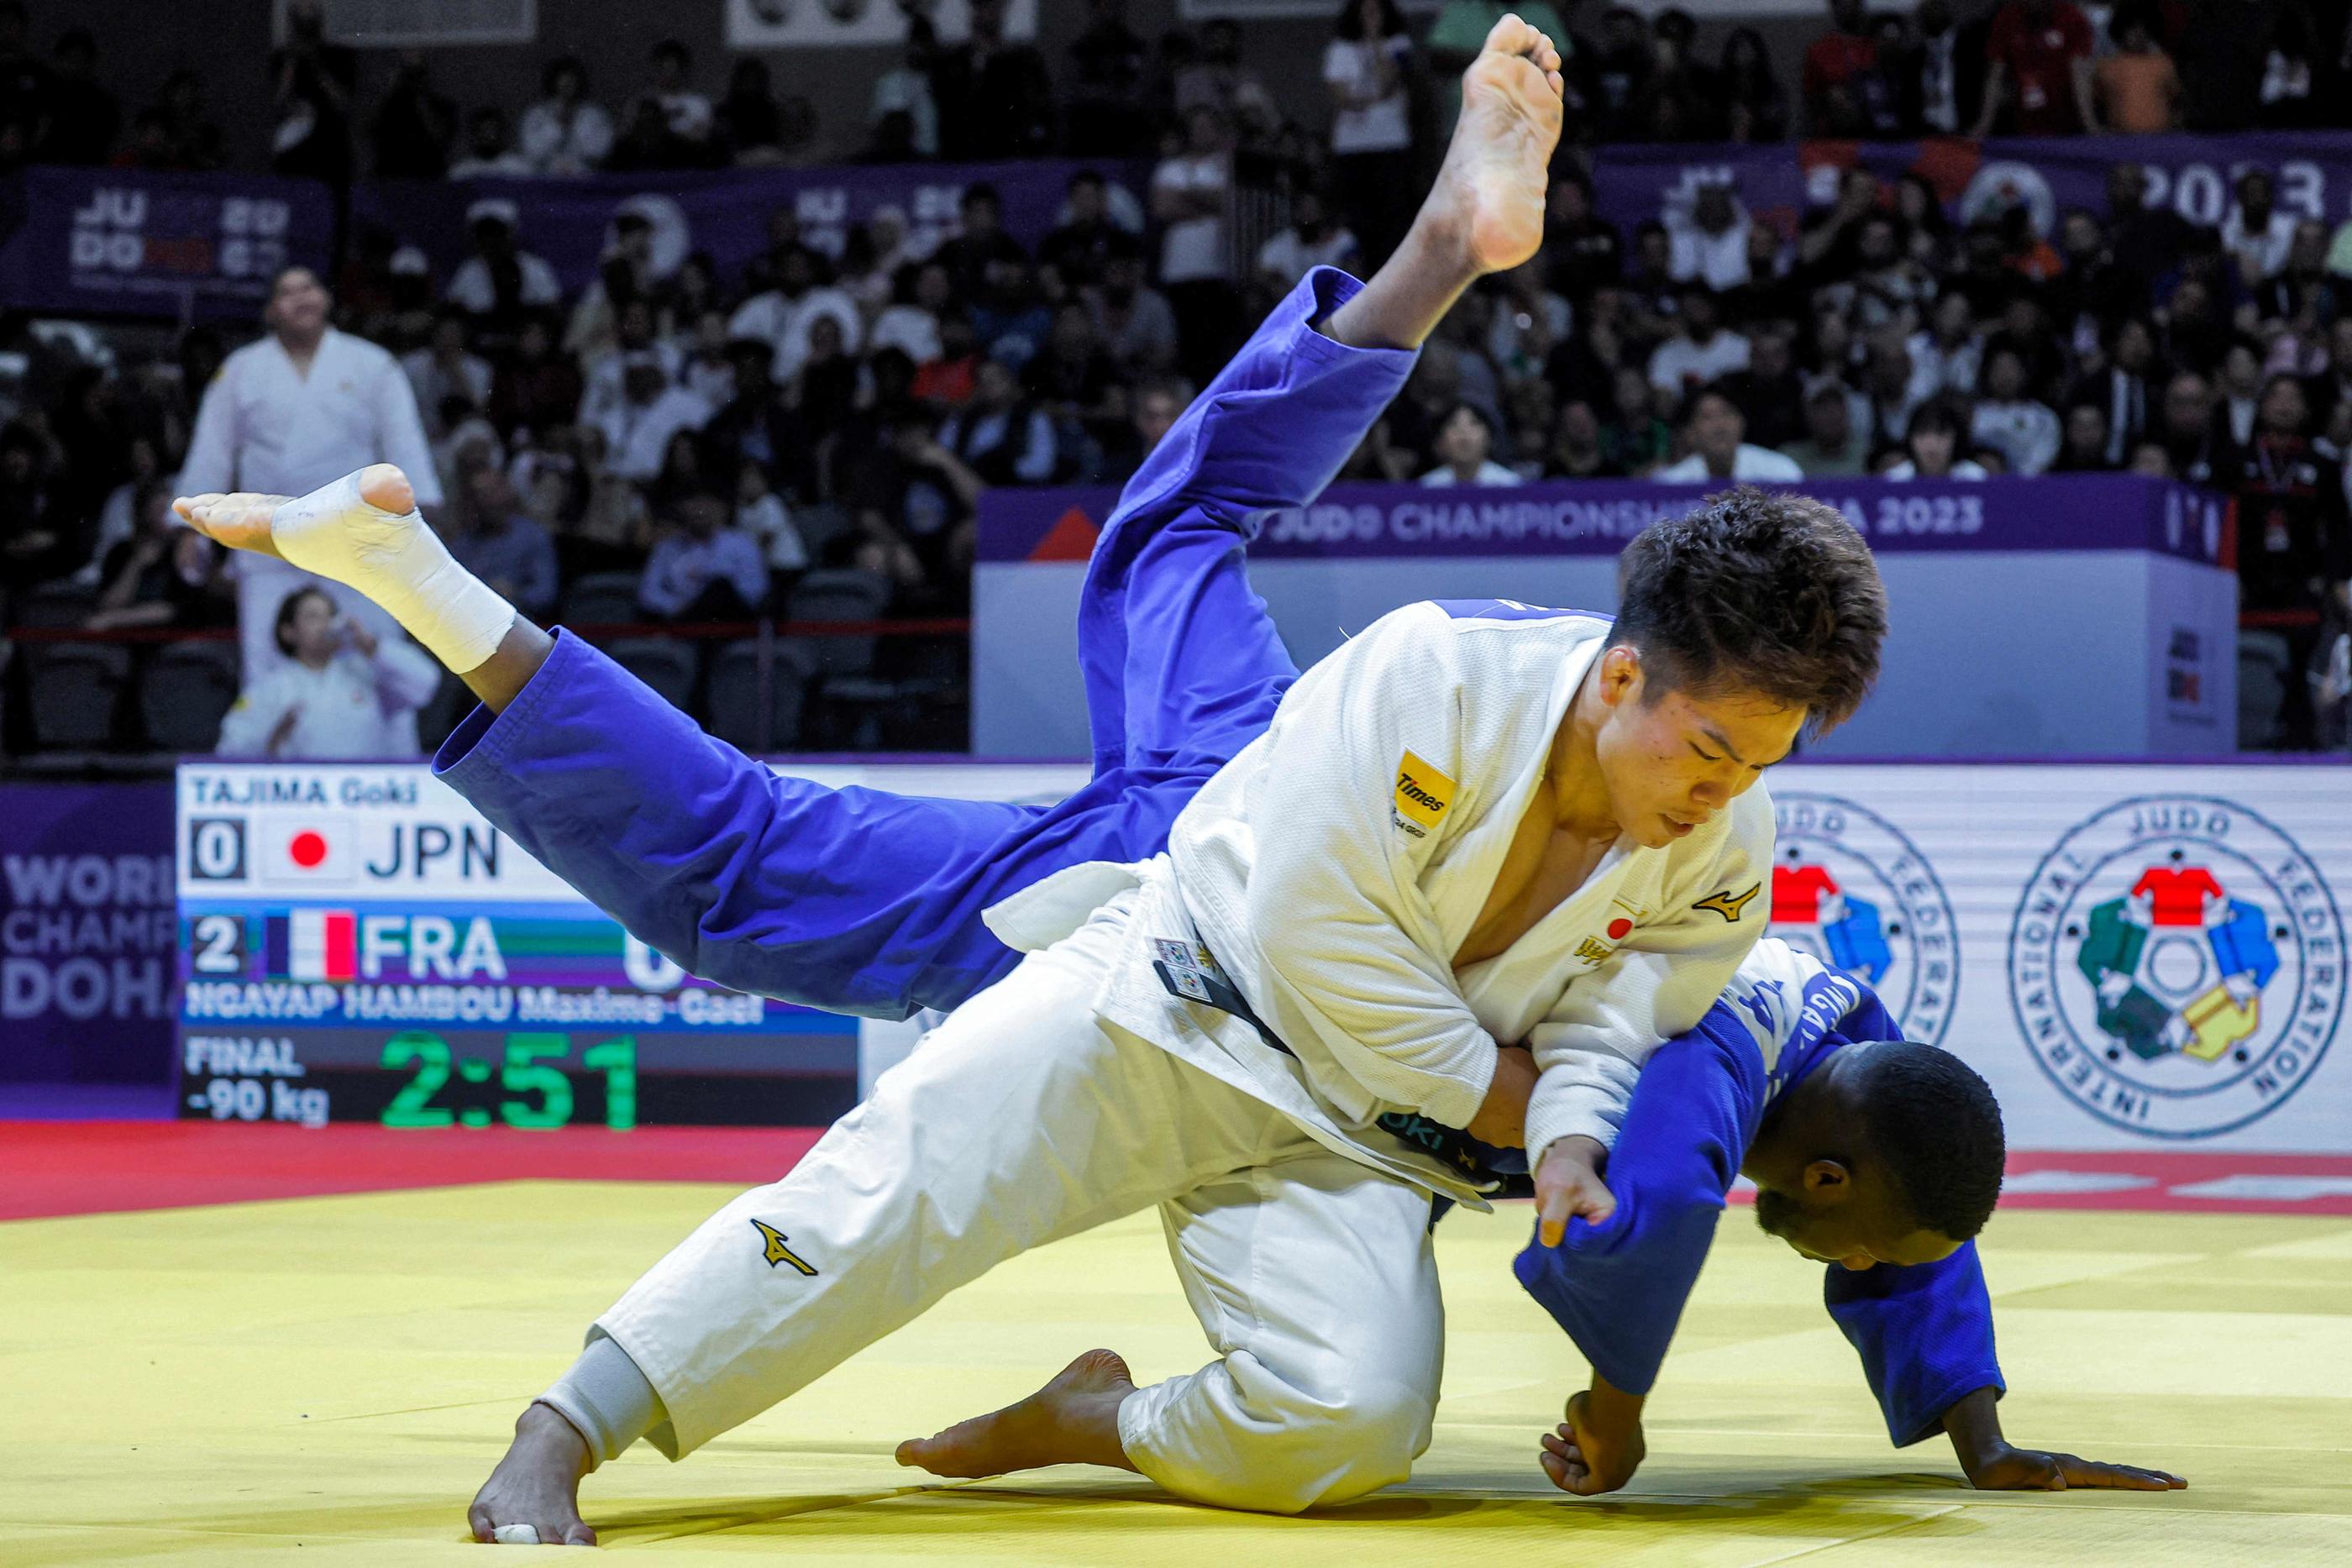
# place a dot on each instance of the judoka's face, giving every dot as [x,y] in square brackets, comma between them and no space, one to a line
[1848,1218]
[1672,760]
[298,305]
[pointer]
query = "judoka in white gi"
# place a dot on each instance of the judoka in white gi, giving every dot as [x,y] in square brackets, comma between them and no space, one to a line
[298,408]
[1520,811]
[343,692]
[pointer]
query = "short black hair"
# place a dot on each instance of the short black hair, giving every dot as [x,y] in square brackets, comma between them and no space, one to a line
[1934,1123]
[1750,592]
[290,606]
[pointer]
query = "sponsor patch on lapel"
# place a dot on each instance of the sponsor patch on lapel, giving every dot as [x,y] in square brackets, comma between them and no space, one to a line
[1422,794]
[1729,904]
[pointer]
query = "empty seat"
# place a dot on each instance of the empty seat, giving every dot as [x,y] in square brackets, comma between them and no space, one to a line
[186,691]
[662,662]
[602,598]
[74,689]
[841,595]
[737,714]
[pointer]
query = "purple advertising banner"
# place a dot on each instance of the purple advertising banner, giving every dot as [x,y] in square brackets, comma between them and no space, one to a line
[569,223]
[124,242]
[2194,176]
[2055,512]
[88,933]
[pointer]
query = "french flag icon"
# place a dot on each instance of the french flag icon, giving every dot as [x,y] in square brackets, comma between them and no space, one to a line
[314,945]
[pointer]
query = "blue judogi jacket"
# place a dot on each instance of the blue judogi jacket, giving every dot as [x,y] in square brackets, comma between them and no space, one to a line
[1925,1334]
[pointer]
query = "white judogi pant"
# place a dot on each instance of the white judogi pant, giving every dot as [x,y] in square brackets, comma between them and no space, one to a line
[1026,1118]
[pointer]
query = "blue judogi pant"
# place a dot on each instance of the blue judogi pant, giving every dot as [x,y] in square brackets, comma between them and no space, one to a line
[865,901]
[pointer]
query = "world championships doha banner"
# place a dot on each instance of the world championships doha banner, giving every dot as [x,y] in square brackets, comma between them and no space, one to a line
[2135,956]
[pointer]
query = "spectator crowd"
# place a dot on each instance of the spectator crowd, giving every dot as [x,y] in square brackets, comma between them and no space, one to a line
[717,436]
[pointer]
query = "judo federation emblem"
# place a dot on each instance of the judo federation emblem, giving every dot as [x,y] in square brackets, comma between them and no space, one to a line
[2178,966]
[1850,890]
[777,1253]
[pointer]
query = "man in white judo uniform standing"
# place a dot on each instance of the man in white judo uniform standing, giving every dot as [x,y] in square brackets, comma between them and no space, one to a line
[1474,823]
[295,409]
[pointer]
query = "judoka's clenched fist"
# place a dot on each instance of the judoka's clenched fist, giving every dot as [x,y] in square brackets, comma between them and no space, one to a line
[1569,1186]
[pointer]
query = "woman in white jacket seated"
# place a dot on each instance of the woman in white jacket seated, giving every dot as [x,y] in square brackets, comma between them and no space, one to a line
[349,693]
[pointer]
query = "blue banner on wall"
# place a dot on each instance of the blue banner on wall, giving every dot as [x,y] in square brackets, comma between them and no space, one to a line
[86,933]
[127,242]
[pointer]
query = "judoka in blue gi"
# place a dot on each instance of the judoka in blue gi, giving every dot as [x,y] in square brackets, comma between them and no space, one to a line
[1118,1066]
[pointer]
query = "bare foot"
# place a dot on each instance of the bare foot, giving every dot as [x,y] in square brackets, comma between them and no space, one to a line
[1490,192]
[538,1483]
[1073,1420]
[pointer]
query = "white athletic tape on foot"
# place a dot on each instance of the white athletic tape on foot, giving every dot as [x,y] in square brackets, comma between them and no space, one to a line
[397,561]
[515,1535]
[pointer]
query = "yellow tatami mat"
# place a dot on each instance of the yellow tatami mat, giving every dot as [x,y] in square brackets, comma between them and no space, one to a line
[327,1381]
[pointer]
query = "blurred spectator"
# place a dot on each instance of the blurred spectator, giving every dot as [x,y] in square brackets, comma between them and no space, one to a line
[498,542]
[2254,233]
[1839,67]
[43,542]
[1831,448]
[2008,420]
[442,370]
[2189,433]
[160,575]
[994,96]
[1620,69]
[313,97]
[783,315]
[2295,541]
[1529,322]
[706,568]
[1756,106]
[1191,195]
[1712,245]
[563,133]
[1700,351]
[750,121]
[2139,91]
[194,137]
[1464,450]
[297,410]
[24,89]
[1075,377]
[1638,438]
[341,689]
[902,119]
[1946,74]
[83,116]
[1312,240]
[1581,250]
[915,501]
[1770,392]
[501,282]
[1135,321]
[2228,43]
[1715,432]
[1577,451]
[535,385]
[1081,244]
[2083,441]
[488,153]
[2125,389]
[2038,71]
[1001,435]
[414,124]
[2239,388]
[1931,446]
[638,426]
[686,113]
[1680,100]
[761,516]
[1217,78]
[1364,71]
[979,241]
[1104,109]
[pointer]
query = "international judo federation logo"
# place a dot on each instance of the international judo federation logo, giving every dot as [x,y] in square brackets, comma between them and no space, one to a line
[2177,964]
[1850,889]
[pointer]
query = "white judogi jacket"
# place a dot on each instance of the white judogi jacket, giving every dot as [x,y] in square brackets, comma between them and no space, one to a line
[1333,867]
[264,425]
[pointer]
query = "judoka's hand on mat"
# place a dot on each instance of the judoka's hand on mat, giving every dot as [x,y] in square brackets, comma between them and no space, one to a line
[1502,1118]
[1568,1184]
[1600,1446]
[1992,1463]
